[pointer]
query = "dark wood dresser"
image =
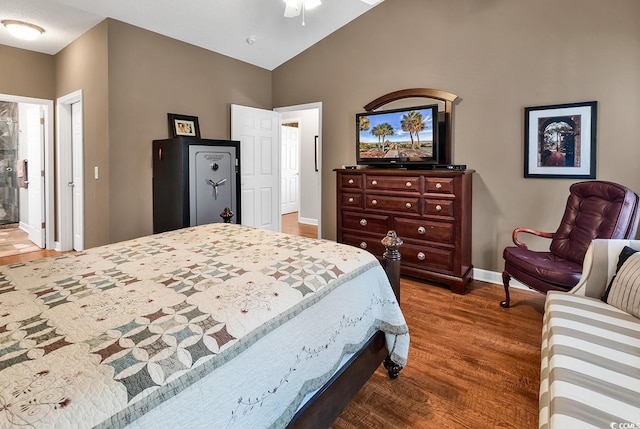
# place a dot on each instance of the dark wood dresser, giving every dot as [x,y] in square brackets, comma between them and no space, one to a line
[429,209]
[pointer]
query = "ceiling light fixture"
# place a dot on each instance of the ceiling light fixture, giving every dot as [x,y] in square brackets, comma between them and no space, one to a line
[22,30]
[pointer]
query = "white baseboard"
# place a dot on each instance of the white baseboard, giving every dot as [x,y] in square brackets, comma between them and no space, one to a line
[25,227]
[308,221]
[493,277]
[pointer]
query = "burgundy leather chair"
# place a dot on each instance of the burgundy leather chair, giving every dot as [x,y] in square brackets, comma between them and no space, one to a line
[595,209]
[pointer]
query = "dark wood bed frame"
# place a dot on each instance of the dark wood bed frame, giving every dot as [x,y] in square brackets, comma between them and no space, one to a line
[327,404]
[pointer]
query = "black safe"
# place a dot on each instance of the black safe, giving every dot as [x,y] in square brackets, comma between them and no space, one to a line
[194,180]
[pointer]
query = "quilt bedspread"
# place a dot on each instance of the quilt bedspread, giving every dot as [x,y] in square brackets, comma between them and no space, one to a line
[101,337]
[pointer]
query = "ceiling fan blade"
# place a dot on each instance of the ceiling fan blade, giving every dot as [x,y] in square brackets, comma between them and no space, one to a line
[372,2]
[290,11]
[293,8]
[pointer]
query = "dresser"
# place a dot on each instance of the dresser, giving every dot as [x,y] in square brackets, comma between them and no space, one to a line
[430,210]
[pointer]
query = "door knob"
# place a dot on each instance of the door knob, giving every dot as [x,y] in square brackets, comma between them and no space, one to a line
[71,184]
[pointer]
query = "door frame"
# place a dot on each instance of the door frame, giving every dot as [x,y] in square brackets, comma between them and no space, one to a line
[48,157]
[66,158]
[308,106]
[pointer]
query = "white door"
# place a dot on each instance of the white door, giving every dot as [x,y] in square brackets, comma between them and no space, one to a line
[69,172]
[290,174]
[77,171]
[35,171]
[259,136]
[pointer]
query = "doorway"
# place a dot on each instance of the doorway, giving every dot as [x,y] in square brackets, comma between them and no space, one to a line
[9,201]
[307,119]
[27,164]
[260,138]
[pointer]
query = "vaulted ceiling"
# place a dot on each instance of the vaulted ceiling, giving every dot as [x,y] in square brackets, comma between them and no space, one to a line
[224,26]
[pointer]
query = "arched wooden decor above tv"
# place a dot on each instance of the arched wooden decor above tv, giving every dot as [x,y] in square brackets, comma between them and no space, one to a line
[435,94]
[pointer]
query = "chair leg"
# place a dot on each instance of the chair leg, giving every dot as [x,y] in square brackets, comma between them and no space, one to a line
[505,281]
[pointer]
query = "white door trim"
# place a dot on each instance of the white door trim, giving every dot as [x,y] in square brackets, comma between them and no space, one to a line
[49,196]
[308,106]
[66,157]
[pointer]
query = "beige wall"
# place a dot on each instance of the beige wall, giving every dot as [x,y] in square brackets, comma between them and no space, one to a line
[149,76]
[131,78]
[498,56]
[83,65]
[26,73]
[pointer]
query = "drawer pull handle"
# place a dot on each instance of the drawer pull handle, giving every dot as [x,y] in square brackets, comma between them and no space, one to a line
[408,205]
[408,184]
[374,182]
[351,181]
[438,208]
[363,222]
[438,185]
[421,256]
[351,199]
[421,230]
[363,245]
[374,202]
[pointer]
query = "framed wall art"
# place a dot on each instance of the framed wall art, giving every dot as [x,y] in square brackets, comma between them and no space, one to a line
[182,125]
[560,141]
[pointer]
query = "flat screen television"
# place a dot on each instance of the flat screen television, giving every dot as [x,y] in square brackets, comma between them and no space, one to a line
[406,137]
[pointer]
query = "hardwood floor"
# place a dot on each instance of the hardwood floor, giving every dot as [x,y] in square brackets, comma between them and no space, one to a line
[14,241]
[290,225]
[472,364]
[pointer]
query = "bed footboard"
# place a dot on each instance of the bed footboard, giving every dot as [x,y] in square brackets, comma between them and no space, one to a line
[391,261]
[330,400]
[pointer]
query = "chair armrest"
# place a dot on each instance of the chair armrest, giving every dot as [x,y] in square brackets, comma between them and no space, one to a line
[516,231]
[599,266]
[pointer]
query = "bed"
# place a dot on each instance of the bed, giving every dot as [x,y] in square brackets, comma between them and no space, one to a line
[218,325]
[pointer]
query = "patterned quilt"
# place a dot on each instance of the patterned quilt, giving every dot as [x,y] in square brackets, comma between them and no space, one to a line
[101,337]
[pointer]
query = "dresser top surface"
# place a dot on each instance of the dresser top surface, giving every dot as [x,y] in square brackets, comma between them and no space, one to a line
[404,171]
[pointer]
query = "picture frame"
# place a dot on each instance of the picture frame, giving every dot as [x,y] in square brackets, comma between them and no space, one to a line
[183,125]
[560,141]
[316,152]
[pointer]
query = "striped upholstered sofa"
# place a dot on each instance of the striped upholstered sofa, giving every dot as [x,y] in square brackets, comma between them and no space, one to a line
[590,370]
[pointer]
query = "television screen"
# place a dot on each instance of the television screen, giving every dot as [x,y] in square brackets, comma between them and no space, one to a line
[398,137]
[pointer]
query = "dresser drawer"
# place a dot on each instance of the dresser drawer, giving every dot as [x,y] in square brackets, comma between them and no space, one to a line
[442,232]
[438,207]
[394,183]
[441,185]
[396,204]
[377,224]
[371,244]
[427,257]
[353,181]
[349,200]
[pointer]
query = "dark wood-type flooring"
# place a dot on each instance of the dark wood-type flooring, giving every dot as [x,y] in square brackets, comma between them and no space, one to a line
[472,364]
[290,225]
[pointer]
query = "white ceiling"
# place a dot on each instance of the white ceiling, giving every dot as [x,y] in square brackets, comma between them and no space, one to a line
[221,26]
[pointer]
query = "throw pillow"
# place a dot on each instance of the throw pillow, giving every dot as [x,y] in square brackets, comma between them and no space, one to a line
[623,291]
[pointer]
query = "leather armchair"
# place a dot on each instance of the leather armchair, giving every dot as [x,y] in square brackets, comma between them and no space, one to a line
[595,209]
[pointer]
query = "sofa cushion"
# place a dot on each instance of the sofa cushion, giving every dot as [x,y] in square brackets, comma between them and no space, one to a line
[623,291]
[590,367]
